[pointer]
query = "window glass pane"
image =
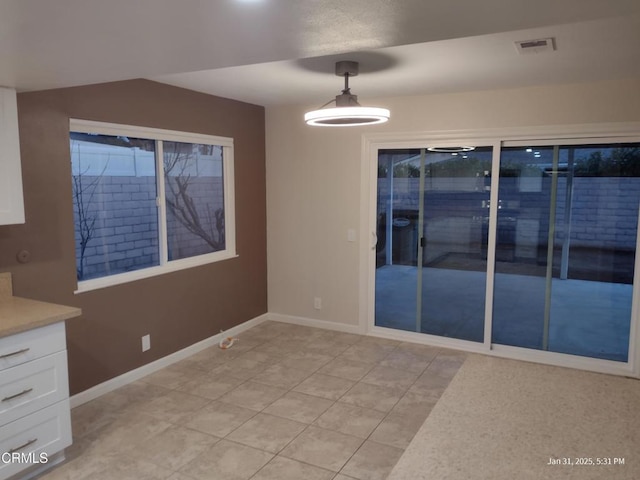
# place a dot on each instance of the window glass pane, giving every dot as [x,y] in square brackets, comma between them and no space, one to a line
[397,267]
[194,194]
[456,212]
[521,246]
[432,230]
[565,254]
[115,213]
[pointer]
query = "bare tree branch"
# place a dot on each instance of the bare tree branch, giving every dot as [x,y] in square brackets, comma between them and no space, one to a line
[210,229]
[83,193]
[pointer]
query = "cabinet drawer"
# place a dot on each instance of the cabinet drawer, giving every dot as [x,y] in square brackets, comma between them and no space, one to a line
[32,386]
[27,346]
[45,431]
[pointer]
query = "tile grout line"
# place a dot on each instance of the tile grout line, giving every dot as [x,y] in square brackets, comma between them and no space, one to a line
[287,390]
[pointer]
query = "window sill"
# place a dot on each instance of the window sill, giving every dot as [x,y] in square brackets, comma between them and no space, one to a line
[174,266]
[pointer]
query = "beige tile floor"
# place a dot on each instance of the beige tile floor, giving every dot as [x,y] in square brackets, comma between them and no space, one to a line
[286,402]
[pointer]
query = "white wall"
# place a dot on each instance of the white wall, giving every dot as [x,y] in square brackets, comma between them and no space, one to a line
[314,179]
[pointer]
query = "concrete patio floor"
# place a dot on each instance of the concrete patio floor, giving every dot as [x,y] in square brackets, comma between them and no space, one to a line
[588,318]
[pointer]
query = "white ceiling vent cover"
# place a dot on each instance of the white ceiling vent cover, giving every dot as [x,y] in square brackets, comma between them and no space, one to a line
[539,45]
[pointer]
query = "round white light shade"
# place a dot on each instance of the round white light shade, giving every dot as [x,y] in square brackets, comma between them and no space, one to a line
[346,116]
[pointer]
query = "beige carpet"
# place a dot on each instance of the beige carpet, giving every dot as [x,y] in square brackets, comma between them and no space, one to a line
[505,419]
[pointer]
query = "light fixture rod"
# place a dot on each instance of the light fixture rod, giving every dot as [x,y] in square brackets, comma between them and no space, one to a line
[346,84]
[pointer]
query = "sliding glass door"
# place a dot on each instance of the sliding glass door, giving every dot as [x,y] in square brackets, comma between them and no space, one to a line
[563,244]
[565,250]
[432,233]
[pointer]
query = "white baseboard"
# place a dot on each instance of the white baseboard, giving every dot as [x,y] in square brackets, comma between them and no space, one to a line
[136,374]
[312,322]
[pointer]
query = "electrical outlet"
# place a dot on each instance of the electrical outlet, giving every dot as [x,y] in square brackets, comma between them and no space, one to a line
[146,343]
[317,303]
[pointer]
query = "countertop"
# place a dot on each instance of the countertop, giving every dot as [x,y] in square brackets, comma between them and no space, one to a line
[21,314]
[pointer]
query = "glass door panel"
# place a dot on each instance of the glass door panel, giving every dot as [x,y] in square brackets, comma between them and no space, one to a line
[565,253]
[521,246]
[453,253]
[398,209]
[432,229]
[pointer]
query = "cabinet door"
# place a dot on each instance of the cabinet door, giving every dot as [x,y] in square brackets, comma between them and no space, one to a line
[11,202]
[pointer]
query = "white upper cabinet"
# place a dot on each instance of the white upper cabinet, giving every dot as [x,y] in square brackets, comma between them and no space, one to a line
[11,200]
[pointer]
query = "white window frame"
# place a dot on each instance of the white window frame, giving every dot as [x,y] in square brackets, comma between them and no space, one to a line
[160,135]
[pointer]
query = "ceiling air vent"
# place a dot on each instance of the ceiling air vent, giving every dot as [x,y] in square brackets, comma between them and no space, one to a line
[539,45]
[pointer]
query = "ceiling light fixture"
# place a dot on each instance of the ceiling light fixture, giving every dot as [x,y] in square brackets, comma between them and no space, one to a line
[347,112]
[451,150]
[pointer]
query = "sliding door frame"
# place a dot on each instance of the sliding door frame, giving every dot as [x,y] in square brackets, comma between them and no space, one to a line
[496,138]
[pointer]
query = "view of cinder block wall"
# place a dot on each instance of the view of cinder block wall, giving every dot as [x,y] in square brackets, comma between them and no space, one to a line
[117,199]
[456,218]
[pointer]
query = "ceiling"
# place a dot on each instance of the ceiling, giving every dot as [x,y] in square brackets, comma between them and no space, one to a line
[274,52]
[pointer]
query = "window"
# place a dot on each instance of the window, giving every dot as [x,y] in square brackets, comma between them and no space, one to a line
[148,201]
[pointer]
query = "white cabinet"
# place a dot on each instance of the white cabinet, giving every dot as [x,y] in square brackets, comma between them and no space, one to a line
[35,420]
[11,199]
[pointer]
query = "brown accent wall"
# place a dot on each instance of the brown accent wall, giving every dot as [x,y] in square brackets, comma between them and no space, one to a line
[177,309]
